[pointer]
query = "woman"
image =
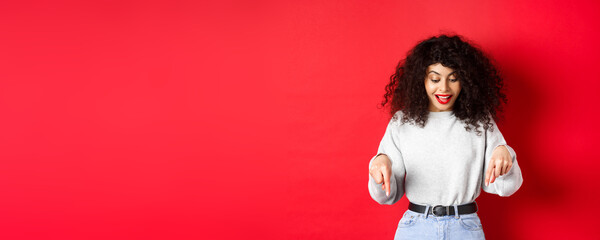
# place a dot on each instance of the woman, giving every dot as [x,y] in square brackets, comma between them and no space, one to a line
[442,144]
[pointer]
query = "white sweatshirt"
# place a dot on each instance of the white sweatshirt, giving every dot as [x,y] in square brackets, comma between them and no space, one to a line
[441,163]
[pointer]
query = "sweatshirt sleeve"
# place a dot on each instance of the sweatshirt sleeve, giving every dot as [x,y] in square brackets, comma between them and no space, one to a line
[510,182]
[389,147]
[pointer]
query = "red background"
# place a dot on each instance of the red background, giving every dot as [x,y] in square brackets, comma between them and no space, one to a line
[257,119]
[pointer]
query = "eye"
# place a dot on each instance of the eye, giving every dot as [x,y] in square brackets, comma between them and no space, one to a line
[454,80]
[435,80]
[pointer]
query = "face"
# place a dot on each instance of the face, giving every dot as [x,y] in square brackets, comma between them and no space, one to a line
[442,87]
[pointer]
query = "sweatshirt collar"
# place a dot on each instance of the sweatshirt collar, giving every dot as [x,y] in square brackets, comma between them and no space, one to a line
[447,114]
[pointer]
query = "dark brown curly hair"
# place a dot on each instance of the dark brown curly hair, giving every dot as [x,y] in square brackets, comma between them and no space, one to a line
[481,96]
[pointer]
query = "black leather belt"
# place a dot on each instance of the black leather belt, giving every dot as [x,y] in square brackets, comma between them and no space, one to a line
[440,210]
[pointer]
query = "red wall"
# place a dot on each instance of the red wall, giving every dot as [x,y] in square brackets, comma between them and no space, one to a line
[257,119]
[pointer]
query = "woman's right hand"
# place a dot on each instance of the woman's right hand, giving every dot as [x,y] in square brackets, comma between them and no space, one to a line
[381,171]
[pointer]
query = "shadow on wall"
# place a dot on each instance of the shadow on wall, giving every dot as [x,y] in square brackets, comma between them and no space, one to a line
[518,125]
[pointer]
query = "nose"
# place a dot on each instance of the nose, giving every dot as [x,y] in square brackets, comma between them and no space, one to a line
[444,86]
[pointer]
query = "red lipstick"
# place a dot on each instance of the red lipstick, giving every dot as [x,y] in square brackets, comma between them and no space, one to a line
[443,98]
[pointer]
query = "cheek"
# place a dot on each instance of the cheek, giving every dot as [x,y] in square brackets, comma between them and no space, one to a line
[457,88]
[429,88]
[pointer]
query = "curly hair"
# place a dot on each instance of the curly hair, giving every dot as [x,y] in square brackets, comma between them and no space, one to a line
[480,99]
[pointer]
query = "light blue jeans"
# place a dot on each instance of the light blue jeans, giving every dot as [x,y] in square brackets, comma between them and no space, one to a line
[415,225]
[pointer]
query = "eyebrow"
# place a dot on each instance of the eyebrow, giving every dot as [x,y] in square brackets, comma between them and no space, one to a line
[439,73]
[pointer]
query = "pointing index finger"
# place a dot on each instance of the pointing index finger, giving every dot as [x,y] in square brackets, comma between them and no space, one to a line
[488,174]
[386,180]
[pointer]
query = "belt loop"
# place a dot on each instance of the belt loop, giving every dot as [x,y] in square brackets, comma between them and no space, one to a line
[456,211]
[426,211]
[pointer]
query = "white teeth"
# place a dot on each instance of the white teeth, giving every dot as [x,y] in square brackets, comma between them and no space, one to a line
[446,97]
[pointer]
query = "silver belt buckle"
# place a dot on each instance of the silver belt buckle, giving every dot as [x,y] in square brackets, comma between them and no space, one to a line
[433,210]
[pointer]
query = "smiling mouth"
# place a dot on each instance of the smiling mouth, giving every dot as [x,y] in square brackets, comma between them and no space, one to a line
[443,99]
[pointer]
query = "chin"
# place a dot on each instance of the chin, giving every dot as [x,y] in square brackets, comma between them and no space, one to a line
[444,108]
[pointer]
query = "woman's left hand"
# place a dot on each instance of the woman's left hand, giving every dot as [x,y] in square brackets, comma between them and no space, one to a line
[500,164]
